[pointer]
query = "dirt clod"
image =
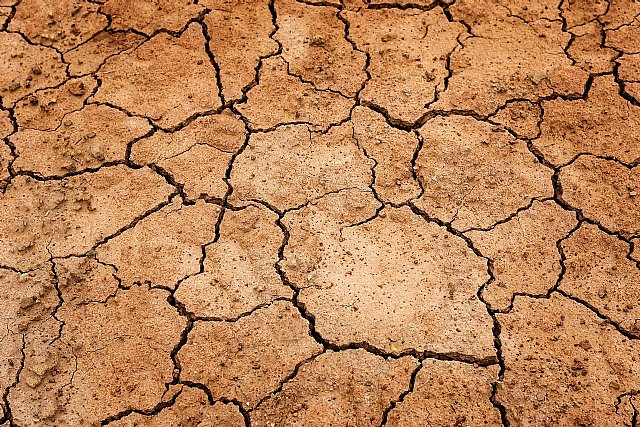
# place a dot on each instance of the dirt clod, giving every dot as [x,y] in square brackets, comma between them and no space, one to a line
[57,24]
[17,58]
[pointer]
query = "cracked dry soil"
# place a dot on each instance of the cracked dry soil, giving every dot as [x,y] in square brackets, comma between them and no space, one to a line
[319,213]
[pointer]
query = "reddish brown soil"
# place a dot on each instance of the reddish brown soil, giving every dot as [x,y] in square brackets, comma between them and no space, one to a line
[320,213]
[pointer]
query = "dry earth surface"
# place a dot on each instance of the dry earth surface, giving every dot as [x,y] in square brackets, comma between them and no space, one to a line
[319,213]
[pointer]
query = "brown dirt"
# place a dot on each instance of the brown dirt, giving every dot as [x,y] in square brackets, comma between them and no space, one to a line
[319,212]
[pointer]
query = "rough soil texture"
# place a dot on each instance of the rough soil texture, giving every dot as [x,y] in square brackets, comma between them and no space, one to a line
[265,213]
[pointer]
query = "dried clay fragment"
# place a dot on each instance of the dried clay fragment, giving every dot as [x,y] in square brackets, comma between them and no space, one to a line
[87,139]
[448,393]
[298,102]
[393,151]
[150,80]
[27,301]
[604,191]
[577,380]
[149,16]
[248,359]
[90,56]
[25,68]
[508,59]
[475,174]
[395,282]
[111,357]
[239,268]
[320,54]
[602,124]
[197,155]
[408,51]
[239,36]
[57,218]
[62,24]
[291,165]
[191,408]
[526,259]
[46,108]
[599,272]
[351,387]
[165,247]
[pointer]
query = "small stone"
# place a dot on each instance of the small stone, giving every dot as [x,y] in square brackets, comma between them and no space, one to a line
[77,89]
[317,41]
[27,302]
[537,76]
[602,292]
